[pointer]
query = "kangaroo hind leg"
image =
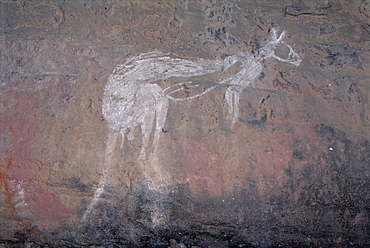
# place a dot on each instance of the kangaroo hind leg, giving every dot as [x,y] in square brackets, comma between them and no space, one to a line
[160,120]
[232,97]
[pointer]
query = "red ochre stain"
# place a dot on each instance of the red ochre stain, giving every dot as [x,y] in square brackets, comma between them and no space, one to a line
[5,185]
[201,166]
[47,209]
[24,225]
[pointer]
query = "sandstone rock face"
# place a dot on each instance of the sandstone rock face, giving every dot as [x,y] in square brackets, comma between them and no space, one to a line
[185,123]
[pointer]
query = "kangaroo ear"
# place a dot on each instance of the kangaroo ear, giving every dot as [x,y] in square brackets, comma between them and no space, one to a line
[282,36]
[273,34]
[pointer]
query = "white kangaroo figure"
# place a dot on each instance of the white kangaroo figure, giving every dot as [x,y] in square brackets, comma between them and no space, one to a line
[131,100]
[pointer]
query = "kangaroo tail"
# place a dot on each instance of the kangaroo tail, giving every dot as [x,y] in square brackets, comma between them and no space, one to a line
[97,194]
[111,142]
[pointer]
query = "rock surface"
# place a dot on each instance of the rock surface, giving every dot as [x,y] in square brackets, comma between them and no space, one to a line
[292,171]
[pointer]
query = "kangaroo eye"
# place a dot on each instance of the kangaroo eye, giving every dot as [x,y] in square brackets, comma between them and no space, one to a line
[262,53]
[282,51]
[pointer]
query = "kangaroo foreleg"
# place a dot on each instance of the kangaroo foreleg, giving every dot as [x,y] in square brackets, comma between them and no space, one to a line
[229,98]
[236,106]
[232,97]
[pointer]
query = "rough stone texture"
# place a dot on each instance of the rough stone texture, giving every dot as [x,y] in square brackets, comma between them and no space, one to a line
[292,172]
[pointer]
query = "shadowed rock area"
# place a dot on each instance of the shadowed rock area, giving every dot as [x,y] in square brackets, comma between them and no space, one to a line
[185,123]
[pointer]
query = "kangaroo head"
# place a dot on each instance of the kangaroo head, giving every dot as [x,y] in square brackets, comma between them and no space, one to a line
[269,49]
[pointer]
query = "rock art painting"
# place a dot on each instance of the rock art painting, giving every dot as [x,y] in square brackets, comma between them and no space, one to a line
[132,98]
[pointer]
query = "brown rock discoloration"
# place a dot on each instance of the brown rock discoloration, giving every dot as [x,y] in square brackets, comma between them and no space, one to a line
[291,171]
[202,169]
